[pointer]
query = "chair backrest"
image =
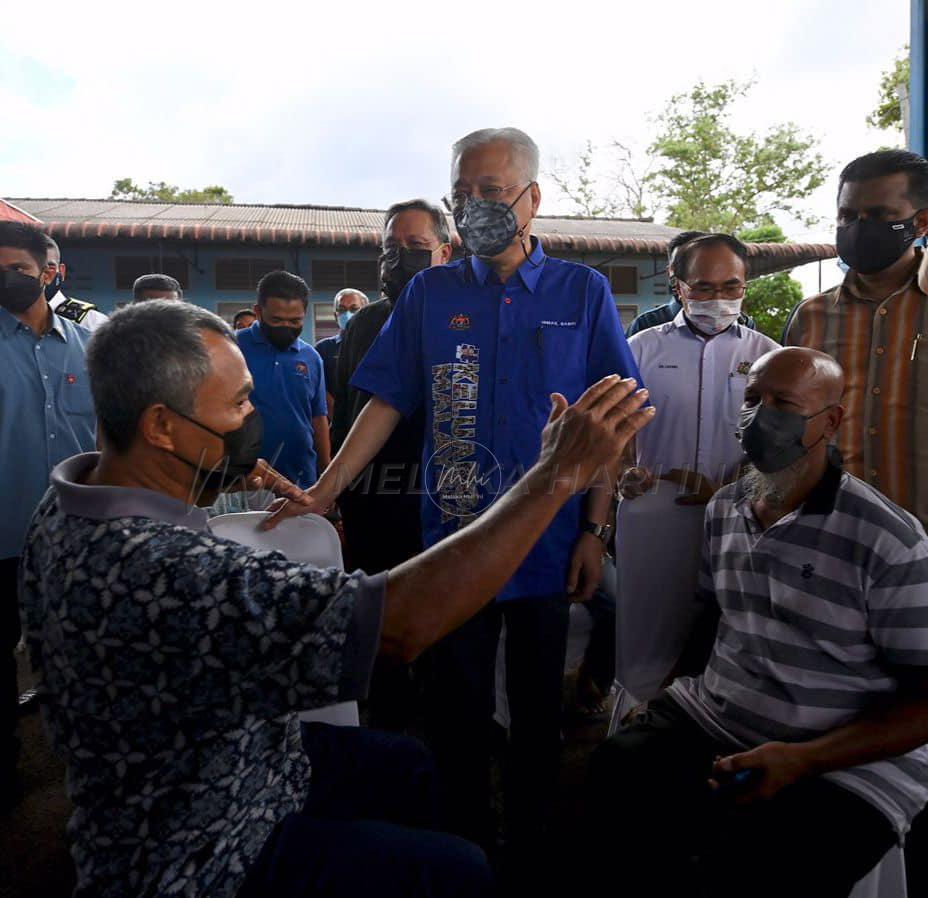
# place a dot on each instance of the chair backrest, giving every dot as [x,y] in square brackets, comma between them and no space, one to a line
[310,538]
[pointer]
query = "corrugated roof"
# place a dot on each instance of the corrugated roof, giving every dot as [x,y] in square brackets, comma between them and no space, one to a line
[340,226]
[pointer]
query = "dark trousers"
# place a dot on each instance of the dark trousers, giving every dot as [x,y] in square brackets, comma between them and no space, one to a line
[9,689]
[459,681]
[361,831]
[382,530]
[667,833]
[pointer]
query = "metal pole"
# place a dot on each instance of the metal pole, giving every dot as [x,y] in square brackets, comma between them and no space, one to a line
[918,77]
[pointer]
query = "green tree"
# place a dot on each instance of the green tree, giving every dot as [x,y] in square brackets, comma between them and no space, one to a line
[711,178]
[771,298]
[895,81]
[127,189]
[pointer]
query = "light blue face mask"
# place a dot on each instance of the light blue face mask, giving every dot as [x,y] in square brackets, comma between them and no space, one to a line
[344,317]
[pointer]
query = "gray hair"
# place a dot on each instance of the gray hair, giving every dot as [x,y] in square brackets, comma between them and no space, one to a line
[147,353]
[348,291]
[439,219]
[523,147]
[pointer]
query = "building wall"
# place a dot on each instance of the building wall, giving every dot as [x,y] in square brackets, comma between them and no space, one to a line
[92,274]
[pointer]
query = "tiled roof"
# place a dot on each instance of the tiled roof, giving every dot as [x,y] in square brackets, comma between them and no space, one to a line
[337,226]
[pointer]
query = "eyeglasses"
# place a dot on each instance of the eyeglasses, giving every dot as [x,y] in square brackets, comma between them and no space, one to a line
[457,199]
[729,291]
[392,253]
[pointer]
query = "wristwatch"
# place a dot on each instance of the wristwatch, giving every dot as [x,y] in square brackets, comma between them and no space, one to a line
[603,532]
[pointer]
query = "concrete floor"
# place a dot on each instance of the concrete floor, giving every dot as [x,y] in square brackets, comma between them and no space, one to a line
[34,859]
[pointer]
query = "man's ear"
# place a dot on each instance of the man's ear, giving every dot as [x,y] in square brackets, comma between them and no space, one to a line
[63,271]
[257,310]
[921,223]
[46,275]
[536,198]
[445,253]
[156,427]
[834,417]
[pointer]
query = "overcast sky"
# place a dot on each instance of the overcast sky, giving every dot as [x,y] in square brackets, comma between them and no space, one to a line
[356,103]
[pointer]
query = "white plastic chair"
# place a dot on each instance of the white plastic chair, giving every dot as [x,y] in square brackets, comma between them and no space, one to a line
[310,539]
[886,879]
[658,549]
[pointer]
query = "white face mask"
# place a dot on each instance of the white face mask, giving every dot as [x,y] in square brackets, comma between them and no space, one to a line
[712,316]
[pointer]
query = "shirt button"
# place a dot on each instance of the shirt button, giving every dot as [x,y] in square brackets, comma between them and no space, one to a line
[45,376]
[883,311]
[504,380]
[873,472]
[876,391]
[51,436]
[47,406]
[508,301]
[879,350]
[872,431]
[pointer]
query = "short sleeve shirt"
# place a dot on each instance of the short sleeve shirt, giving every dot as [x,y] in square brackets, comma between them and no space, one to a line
[818,613]
[46,415]
[289,392]
[173,662]
[483,357]
[697,386]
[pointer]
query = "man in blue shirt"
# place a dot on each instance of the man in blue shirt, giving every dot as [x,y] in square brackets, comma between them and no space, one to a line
[46,415]
[347,303]
[289,383]
[482,344]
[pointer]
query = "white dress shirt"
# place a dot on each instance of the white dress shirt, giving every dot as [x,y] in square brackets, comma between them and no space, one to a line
[697,385]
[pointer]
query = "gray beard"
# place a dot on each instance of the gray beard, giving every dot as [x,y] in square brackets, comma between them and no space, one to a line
[775,488]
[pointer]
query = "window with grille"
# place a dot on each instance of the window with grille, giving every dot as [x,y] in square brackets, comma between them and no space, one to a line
[244,274]
[128,268]
[324,323]
[623,279]
[226,309]
[336,274]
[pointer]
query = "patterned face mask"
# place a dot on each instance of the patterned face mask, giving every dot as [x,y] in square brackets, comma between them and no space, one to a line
[488,227]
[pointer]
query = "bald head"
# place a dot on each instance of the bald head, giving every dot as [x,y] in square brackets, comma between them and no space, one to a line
[803,380]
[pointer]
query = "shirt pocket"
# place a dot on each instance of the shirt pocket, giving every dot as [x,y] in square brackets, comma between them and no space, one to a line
[74,394]
[563,359]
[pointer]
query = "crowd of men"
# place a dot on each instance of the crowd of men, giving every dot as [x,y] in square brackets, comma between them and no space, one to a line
[507,435]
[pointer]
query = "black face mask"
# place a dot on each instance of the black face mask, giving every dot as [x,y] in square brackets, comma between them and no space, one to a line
[399,265]
[772,438]
[18,291]
[52,288]
[281,337]
[242,450]
[870,246]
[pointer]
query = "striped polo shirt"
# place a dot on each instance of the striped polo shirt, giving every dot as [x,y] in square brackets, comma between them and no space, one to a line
[883,348]
[816,612]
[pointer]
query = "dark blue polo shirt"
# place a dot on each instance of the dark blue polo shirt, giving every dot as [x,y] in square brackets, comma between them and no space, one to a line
[483,358]
[289,392]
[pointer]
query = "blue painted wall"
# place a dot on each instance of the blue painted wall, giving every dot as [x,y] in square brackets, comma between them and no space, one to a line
[92,276]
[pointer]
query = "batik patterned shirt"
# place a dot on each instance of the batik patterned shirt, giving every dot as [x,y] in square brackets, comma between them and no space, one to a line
[173,662]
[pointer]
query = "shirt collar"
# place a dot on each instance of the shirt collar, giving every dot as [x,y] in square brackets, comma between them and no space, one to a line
[821,498]
[853,286]
[9,323]
[529,271]
[104,503]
